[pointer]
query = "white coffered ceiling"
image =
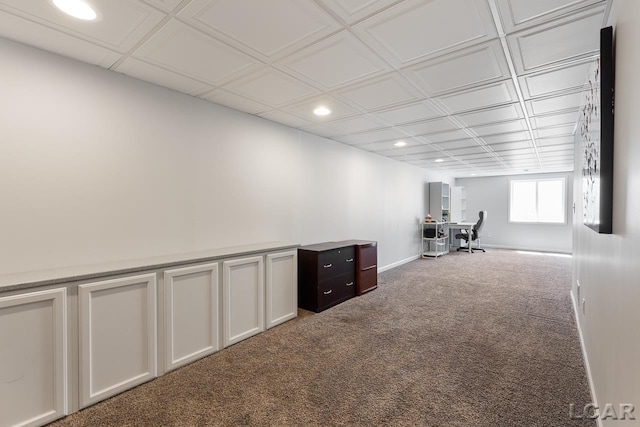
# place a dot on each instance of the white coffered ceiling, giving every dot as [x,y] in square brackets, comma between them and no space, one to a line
[488,87]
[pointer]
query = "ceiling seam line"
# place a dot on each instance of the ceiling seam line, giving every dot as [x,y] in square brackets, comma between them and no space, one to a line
[153,31]
[514,77]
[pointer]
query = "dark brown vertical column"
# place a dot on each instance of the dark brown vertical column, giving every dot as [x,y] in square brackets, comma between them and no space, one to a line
[366,267]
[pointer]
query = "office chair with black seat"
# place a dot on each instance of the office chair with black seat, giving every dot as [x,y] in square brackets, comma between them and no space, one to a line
[475,234]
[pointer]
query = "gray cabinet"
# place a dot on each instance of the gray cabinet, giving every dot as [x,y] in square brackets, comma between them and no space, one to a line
[439,201]
[458,204]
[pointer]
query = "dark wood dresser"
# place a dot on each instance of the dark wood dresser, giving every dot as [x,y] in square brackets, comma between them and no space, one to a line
[326,275]
[329,273]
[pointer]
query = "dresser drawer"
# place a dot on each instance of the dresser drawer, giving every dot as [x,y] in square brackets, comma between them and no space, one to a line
[367,280]
[367,256]
[336,262]
[336,290]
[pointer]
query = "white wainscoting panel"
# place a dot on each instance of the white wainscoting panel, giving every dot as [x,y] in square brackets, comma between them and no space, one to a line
[243,298]
[33,358]
[117,336]
[191,314]
[282,287]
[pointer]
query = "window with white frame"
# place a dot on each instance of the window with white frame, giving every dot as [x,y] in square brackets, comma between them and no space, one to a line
[538,201]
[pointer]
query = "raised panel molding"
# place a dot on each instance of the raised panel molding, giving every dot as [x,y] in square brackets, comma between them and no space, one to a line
[134,22]
[567,78]
[381,93]
[429,126]
[155,74]
[166,5]
[191,314]
[291,24]
[492,115]
[371,137]
[437,27]
[554,104]
[282,287]
[187,51]
[410,113]
[353,11]
[461,70]
[271,87]
[33,350]
[118,336]
[243,299]
[473,99]
[314,64]
[235,101]
[579,33]
[520,14]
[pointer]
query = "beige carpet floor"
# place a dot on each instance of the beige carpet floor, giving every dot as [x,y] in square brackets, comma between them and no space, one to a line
[483,339]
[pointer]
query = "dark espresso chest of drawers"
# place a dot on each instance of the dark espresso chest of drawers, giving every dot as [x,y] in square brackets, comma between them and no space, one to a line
[326,275]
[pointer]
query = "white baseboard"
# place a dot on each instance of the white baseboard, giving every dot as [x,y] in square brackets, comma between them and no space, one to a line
[524,248]
[397,264]
[585,357]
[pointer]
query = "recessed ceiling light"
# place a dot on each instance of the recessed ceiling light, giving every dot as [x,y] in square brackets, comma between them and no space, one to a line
[400,144]
[76,8]
[473,174]
[438,160]
[322,111]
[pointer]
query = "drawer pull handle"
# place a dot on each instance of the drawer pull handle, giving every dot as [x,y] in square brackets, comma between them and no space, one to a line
[350,284]
[350,260]
[328,265]
[328,292]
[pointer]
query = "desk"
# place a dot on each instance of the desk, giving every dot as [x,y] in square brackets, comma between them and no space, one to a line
[462,226]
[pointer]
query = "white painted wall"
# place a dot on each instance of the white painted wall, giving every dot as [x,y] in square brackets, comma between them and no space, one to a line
[492,194]
[607,265]
[96,166]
